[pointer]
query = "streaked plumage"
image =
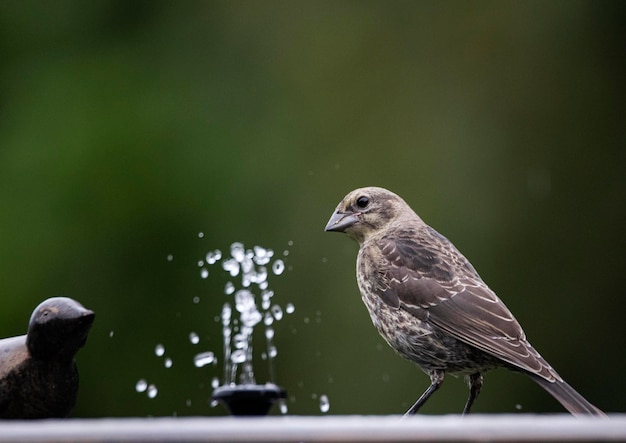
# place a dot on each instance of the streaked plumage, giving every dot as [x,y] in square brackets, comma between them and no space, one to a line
[429,303]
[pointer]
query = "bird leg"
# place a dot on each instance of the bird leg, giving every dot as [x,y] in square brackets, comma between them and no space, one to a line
[475,382]
[436,379]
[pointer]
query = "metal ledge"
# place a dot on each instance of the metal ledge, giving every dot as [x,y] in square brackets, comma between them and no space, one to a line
[447,428]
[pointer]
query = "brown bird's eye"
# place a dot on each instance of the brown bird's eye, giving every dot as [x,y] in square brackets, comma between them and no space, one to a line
[362,201]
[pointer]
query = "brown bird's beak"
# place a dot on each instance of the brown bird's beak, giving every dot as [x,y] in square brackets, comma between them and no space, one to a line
[340,221]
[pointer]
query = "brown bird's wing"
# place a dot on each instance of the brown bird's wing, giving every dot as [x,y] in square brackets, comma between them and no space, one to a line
[430,279]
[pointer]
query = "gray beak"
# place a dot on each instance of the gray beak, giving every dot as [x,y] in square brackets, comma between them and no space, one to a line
[340,221]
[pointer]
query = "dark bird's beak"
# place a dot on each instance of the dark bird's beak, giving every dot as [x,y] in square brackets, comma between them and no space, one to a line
[340,221]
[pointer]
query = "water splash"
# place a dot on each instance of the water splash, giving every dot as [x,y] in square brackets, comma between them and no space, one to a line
[251,304]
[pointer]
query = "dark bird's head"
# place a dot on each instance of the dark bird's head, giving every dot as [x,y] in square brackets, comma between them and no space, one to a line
[366,211]
[58,328]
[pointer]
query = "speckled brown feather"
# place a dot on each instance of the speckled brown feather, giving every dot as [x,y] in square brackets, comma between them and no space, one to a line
[429,303]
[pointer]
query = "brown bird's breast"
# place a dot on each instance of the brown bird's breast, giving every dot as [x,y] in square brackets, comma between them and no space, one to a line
[413,338]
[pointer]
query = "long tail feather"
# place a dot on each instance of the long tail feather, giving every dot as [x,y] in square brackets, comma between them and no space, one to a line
[568,397]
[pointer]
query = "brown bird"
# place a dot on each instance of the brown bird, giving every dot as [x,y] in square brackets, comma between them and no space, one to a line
[431,306]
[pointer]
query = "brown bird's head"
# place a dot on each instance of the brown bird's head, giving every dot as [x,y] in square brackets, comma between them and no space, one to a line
[365,211]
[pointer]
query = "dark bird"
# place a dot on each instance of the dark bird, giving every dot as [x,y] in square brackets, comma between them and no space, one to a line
[38,375]
[431,306]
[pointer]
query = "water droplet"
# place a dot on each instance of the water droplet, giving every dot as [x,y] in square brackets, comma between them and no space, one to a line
[213,256]
[196,300]
[229,288]
[277,312]
[215,382]
[244,300]
[203,359]
[261,275]
[282,405]
[307,320]
[204,273]
[159,350]
[240,341]
[290,243]
[251,318]
[168,363]
[247,265]
[324,403]
[262,256]
[244,303]
[237,251]
[141,385]
[111,334]
[246,280]
[231,266]
[200,263]
[518,407]
[269,333]
[272,351]
[278,267]
[188,403]
[266,297]
[238,356]
[226,314]
[318,316]
[193,338]
[170,257]
[268,319]
[200,234]
[286,252]
[152,391]
[290,308]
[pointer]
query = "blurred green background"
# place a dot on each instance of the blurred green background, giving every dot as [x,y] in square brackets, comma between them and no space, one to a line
[128,128]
